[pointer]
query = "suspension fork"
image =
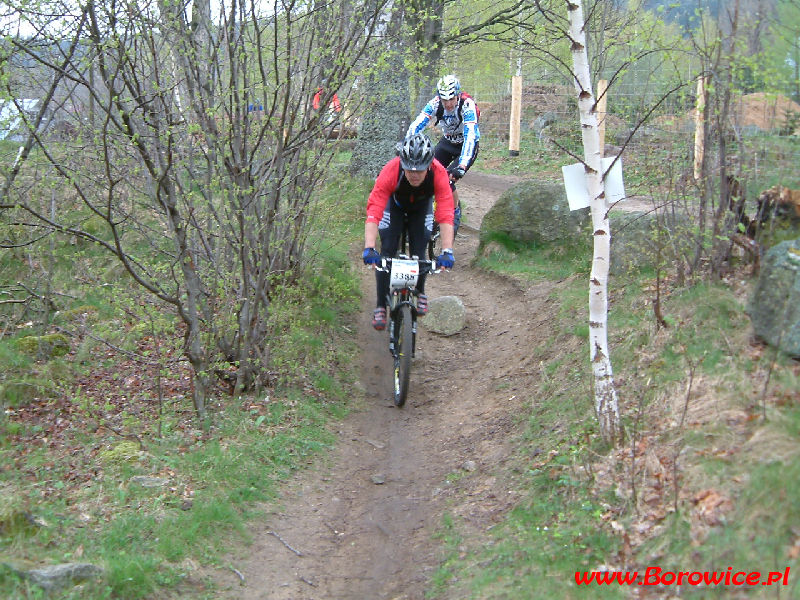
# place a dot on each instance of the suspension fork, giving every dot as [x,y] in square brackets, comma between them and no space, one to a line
[395,300]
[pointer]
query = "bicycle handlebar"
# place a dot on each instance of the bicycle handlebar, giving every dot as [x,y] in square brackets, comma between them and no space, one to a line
[386,264]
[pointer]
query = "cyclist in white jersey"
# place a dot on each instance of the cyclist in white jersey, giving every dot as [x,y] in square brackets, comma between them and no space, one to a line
[457,116]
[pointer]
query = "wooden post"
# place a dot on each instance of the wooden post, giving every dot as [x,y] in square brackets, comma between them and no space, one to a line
[516,115]
[602,86]
[699,140]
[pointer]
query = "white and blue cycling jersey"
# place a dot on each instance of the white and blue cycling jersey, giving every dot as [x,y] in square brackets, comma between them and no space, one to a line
[458,126]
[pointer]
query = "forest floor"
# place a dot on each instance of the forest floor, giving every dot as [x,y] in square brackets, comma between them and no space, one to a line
[362,524]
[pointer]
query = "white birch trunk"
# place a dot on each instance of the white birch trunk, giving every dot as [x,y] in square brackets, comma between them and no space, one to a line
[605,396]
[699,147]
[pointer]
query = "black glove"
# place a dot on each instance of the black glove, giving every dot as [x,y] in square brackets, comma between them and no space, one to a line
[371,257]
[446,260]
[456,172]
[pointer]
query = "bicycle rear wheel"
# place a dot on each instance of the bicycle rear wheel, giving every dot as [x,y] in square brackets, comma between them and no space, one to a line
[403,351]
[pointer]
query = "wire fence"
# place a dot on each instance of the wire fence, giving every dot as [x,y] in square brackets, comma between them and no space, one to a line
[762,130]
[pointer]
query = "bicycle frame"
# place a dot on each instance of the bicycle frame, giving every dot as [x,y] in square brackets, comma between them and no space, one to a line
[406,295]
[402,313]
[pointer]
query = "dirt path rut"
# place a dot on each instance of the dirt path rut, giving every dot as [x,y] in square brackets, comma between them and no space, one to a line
[361,525]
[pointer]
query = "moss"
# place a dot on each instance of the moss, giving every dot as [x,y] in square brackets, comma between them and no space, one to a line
[86,313]
[535,212]
[44,347]
[14,516]
[122,453]
[19,392]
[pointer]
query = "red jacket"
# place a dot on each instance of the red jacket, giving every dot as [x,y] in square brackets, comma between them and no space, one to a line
[335,104]
[386,185]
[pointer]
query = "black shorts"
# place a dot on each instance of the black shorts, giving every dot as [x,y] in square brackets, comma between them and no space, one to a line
[446,152]
[420,226]
[390,228]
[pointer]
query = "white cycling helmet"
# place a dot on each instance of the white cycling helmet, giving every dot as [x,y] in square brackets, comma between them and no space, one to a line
[448,87]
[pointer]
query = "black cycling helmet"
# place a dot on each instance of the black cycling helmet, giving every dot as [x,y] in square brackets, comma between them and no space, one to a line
[416,152]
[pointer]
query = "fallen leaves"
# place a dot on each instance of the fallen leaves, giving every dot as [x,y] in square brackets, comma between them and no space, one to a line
[711,506]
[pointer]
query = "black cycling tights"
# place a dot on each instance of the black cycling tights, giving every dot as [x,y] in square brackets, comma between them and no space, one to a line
[446,152]
[420,225]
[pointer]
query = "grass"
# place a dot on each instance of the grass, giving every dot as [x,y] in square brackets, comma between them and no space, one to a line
[535,156]
[142,535]
[736,472]
[534,262]
[739,439]
[86,433]
[555,530]
[758,534]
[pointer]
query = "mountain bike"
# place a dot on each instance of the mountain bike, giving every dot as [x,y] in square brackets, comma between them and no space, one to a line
[404,273]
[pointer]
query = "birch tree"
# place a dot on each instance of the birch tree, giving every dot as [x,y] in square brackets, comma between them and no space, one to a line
[605,395]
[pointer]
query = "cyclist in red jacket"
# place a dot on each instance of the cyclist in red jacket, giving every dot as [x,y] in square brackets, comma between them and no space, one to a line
[408,185]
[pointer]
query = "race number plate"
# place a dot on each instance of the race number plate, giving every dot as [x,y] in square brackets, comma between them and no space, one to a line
[404,273]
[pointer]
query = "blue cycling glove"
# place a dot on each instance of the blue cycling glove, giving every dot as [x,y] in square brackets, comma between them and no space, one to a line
[446,260]
[371,257]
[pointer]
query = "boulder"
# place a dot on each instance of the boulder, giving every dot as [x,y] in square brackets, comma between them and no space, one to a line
[635,239]
[44,347]
[542,121]
[56,577]
[446,315]
[774,306]
[535,212]
[631,241]
[15,516]
[149,482]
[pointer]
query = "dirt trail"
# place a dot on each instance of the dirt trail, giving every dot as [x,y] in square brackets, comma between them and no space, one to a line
[341,535]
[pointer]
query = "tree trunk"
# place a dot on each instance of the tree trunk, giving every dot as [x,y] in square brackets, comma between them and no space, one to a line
[387,101]
[427,27]
[605,395]
[723,224]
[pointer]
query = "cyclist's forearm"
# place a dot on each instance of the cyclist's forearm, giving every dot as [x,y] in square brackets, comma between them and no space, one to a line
[370,234]
[468,147]
[446,231]
[418,124]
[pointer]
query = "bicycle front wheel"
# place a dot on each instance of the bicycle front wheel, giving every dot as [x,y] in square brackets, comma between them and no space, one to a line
[404,350]
[435,243]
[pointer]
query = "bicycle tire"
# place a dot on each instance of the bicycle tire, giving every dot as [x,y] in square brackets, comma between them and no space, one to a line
[434,244]
[403,248]
[403,350]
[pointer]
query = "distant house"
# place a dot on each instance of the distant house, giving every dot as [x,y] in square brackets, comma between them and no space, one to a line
[11,123]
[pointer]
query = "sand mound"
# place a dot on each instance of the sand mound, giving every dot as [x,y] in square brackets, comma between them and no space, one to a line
[765,111]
